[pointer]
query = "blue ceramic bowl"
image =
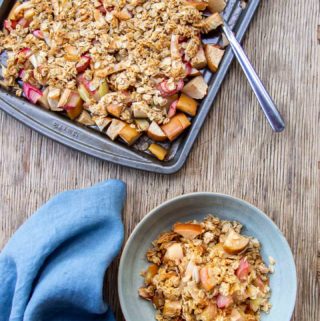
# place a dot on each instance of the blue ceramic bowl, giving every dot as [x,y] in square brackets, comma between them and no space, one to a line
[283,282]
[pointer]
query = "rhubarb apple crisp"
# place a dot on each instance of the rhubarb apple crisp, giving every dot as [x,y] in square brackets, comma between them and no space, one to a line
[207,271]
[128,67]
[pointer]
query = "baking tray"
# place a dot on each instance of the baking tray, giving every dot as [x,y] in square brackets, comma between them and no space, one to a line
[97,144]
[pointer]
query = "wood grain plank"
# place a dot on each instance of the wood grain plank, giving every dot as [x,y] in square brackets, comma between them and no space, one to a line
[236,152]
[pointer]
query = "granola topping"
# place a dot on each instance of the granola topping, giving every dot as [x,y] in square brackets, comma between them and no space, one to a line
[207,271]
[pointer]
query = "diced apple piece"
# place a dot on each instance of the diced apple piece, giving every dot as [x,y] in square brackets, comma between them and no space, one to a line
[103,89]
[187,105]
[236,315]
[174,252]
[188,230]
[209,313]
[199,61]
[150,273]
[115,128]
[83,64]
[123,15]
[172,308]
[54,93]
[198,5]
[19,8]
[14,11]
[176,126]
[64,97]
[102,122]
[142,124]
[195,72]
[235,243]
[214,56]
[34,59]
[212,22]
[196,88]
[129,134]
[73,101]
[216,5]
[28,14]
[85,119]
[224,301]
[158,151]
[84,93]
[115,110]
[73,105]
[73,113]
[53,103]
[155,132]
[43,101]
[207,280]
[53,98]
[139,109]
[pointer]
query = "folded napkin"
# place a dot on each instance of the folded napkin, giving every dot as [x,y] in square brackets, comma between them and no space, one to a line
[53,267]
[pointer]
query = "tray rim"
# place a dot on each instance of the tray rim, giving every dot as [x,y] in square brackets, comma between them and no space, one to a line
[66,132]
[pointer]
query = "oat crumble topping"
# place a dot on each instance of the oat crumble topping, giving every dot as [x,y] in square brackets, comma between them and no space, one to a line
[205,271]
[106,53]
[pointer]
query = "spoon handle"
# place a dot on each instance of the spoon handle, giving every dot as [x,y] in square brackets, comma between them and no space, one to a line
[268,106]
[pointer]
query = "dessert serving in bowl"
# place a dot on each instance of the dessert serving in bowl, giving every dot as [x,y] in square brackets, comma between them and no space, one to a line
[140,73]
[207,256]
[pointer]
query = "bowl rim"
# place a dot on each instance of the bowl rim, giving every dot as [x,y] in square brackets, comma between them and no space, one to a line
[121,293]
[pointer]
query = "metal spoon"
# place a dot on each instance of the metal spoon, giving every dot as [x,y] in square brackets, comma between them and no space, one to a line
[268,106]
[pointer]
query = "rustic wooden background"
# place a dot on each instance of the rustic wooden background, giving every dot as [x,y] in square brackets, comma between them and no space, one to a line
[236,152]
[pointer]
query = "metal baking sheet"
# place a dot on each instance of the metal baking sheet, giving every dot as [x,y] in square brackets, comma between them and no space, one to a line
[97,144]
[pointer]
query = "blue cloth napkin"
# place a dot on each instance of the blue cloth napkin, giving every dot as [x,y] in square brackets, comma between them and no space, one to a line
[53,267]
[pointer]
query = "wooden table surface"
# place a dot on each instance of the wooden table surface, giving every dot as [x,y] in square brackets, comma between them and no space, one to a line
[236,152]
